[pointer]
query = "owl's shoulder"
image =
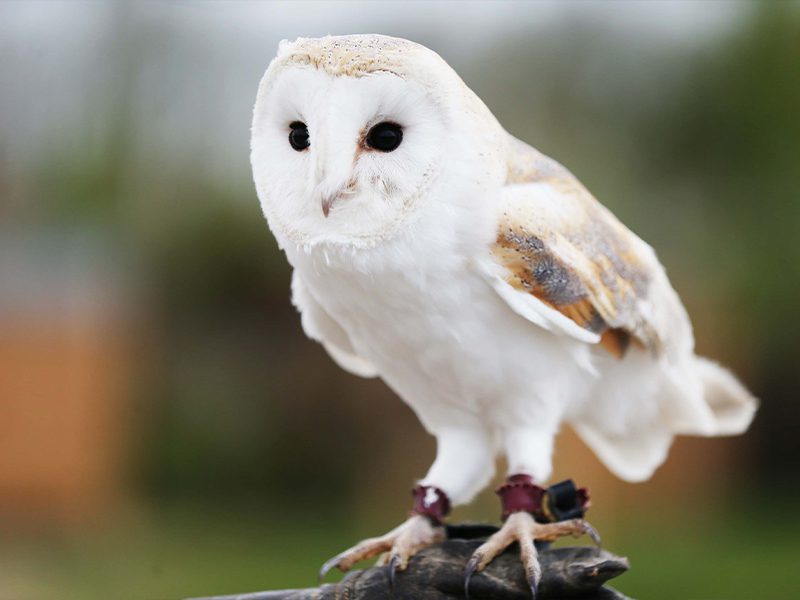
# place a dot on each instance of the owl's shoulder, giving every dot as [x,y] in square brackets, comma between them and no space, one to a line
[525,164]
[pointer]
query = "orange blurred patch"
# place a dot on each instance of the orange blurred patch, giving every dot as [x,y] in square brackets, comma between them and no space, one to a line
[63,419]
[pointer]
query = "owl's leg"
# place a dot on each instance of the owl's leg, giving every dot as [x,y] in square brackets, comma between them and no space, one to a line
[531,512]
[464,464]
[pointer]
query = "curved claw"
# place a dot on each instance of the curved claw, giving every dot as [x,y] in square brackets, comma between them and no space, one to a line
[534,587]
[469,571]
[392,568]
[327,566]
[592,533]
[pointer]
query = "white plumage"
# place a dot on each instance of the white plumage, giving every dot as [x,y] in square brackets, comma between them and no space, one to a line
[473,274]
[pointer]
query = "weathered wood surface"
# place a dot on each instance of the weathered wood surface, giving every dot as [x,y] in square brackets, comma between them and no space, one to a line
[437,573]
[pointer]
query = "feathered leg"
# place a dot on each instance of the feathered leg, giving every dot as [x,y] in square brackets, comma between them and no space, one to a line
[530,512]
[464,464]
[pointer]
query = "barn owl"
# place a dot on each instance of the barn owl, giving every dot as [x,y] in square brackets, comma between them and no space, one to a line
[479,279]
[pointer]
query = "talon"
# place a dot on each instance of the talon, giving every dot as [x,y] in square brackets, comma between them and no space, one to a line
[530,561]
[589,530]
[327,566]
[469,571]
[534,587]
[392,567]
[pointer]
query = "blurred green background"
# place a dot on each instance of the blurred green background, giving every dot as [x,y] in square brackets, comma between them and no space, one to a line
[165,428]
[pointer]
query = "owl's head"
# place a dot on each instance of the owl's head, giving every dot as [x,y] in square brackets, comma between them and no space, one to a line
[352,134]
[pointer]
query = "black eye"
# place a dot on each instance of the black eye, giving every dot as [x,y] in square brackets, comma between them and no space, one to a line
[298,136]
[385,136]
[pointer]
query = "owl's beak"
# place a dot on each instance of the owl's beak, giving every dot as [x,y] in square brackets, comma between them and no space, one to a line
[327,202]
[329,199]
[334,181]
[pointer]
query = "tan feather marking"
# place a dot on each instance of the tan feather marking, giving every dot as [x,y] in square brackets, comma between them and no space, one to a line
[534,269]
[616,341]
[353,55]
[526,165]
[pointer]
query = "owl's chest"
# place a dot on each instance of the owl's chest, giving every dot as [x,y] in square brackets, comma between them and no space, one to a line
[395,307]
[434,329]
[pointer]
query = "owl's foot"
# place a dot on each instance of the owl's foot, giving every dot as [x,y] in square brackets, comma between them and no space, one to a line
[397,546]
[532,513]
[522,528]
[424,528]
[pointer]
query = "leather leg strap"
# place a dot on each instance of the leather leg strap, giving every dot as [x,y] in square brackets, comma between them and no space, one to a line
[559,502]
[431,502]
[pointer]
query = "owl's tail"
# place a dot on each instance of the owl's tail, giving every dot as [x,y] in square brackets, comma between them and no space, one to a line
[731,405]
[702,398]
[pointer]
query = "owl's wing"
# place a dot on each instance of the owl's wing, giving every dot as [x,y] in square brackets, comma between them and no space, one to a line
[564,262]
[320,326]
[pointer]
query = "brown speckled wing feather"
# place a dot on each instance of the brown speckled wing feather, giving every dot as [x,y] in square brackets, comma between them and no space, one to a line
[558,244]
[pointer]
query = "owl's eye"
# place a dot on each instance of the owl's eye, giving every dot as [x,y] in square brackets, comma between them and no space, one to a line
[385,136]
[298,136]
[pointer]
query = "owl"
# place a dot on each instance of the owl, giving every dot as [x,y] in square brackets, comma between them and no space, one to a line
[479,279]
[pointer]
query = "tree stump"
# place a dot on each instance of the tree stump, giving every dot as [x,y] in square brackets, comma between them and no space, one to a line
[437,573]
